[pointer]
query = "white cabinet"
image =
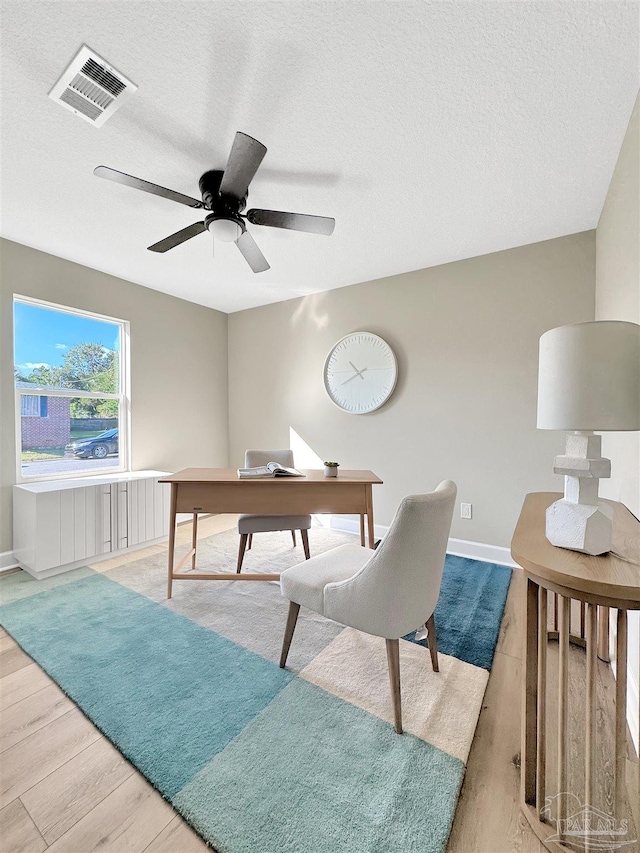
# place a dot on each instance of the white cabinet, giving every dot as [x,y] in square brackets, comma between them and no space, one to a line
[59,525]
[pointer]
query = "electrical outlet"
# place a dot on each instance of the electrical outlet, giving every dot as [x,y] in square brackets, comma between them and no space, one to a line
[465,510]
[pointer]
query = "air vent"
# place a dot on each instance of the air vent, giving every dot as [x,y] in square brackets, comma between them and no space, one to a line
[91,88]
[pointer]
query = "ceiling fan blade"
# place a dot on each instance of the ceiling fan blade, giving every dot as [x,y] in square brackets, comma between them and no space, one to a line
[245,157]
[145,186]
[177,238]
[292,221]
[252,254]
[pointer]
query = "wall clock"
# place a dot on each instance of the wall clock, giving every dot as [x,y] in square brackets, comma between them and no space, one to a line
[360,373]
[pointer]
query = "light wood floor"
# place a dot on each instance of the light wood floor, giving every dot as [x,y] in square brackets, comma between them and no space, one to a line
[64,788]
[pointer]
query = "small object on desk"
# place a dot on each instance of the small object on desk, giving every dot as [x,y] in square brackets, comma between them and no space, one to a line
[331,469]
[271,469]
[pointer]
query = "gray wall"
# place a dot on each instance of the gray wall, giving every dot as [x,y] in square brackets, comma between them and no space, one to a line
[178,364]
[466,337]
[618,298]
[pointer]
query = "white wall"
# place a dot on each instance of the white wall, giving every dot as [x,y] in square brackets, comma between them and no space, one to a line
[618,298]
[466,337]
[178,364]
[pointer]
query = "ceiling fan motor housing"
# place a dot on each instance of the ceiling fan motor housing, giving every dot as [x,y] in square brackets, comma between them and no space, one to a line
[213,200]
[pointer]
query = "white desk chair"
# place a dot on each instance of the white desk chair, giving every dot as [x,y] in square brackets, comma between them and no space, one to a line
[388,592]
[250,524]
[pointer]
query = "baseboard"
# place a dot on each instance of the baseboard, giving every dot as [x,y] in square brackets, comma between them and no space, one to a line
[7,561]
[457,547]
[349,525]
[480,551]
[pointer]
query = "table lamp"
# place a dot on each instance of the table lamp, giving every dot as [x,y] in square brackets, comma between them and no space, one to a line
[588,379]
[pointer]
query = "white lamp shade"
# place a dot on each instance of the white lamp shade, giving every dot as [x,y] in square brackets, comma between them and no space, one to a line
[589,377]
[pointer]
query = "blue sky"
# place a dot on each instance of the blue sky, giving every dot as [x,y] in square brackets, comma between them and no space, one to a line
[43,335]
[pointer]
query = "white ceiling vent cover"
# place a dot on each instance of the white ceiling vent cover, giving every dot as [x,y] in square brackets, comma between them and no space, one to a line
[91,88]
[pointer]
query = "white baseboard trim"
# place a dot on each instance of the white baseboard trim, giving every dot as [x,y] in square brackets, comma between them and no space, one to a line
[480,551]
[457,547]
[7,561]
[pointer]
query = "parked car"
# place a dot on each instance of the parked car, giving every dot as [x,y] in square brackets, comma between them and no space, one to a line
[98,447]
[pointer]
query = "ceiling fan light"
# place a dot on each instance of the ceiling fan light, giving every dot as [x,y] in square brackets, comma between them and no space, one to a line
[224,229]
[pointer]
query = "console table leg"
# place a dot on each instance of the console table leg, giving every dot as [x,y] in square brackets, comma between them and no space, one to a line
[564,621]
[530,699]
[590,709]
[541,746]
[621,710]
[603,634]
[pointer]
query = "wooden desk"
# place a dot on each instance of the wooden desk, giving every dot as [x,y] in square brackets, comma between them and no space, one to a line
[219,490]
[595,584]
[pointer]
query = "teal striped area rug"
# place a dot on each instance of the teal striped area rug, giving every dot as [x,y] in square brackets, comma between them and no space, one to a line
[259,759]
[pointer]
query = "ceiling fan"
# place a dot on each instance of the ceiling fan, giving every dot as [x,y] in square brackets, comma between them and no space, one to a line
[224,195]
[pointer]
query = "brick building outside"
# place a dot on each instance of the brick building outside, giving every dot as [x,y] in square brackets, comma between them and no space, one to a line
[45,421]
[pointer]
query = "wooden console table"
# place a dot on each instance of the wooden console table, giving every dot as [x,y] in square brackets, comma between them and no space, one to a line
[214,490]
[596,584]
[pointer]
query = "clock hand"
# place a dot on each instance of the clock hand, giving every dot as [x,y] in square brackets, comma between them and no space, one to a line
[357,373]
[355,368]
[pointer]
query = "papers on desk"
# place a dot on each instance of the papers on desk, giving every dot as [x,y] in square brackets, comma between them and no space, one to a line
[271,469]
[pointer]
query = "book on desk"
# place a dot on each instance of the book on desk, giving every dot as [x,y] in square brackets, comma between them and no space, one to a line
[271,469]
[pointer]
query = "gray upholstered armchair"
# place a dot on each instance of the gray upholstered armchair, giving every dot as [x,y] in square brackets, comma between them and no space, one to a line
[388,592]
[250,524]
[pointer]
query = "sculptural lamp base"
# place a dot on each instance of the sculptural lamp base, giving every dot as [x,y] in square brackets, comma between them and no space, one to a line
[579,521]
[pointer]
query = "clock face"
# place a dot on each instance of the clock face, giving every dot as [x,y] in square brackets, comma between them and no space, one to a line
[360,373]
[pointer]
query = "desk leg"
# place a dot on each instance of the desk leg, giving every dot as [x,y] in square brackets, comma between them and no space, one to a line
[172,536]
[369,500]
[194,539]
[362,540]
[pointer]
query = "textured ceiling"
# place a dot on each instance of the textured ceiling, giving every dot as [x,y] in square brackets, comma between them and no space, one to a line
[432,131]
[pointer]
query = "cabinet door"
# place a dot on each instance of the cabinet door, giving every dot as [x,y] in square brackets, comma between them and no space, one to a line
[149,488]
[67,531]
[119,516]
[79,524]
[161,494]
[47,531]
[92,514]
[103,532]
[133,524]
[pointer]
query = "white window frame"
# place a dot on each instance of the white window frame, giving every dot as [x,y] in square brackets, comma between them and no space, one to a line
[123,397]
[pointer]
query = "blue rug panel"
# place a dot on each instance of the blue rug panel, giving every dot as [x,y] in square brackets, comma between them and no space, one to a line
[168,692]
[469,612]
[314,774]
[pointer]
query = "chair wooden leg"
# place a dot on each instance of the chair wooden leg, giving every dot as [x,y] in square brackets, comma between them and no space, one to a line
[292,618]
[433,642]
[241,550]
[305,544]
[393,659]
[293,536]
[250,543]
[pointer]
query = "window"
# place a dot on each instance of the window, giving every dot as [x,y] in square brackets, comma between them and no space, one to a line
[33,406]
[72,408]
